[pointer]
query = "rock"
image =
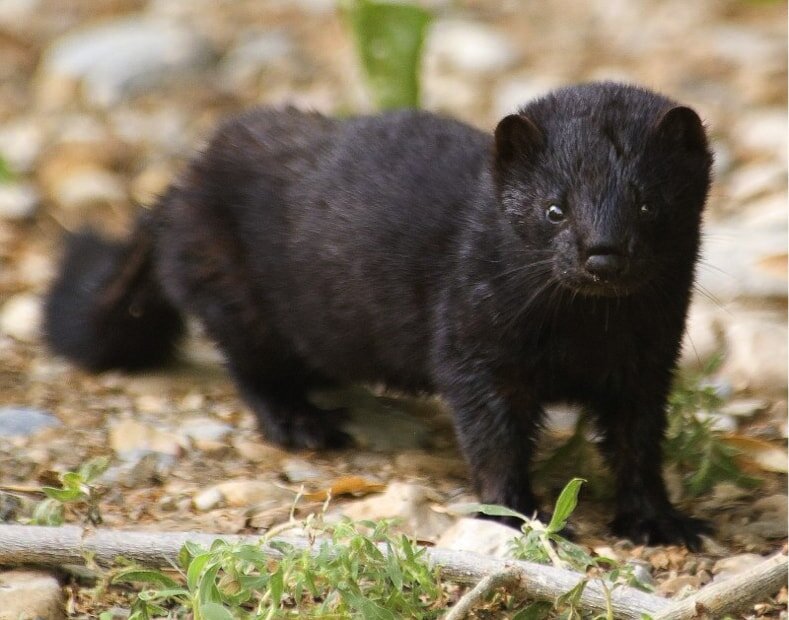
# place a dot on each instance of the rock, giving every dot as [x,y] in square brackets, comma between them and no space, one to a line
[18,201]
[745,407]
[410,503]
[728,567]
[116,59]
[512,94]
[469,46]
[762,132]
[756,352]
[139,468]
[20,317]
[259,452]
[478,536]
[253,54]
[774,504]
[206,433]
[21,142]
[679,586]
[299,470]
[86,187]
[703,338]
[244,493]
[131,437]
[755,180]
[24,421]
[431,465]
[734,256]
[768,527]
[30,595]
[643,572]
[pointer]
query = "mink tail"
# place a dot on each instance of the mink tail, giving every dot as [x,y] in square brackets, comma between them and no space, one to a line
[106,308]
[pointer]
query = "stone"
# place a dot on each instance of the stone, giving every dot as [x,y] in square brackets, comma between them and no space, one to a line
[30,595]
[24,421]
[680,585]
[298,471]
[756,351]
[20,317]
[755,180]
[510,95]
[18,201]
[431,465]
[130,437]
[116,59]
[253,54]
[733,565]
[643,572]
[21,142]
[86,187]
[469,46]
[205,432]
[745,407]
[259,452]
[762,132]
[478,536]
[773,504]
[407,502]
[244,493]
[733,260]
[139,468]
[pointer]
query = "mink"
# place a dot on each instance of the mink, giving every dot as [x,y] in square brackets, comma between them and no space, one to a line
[552,260]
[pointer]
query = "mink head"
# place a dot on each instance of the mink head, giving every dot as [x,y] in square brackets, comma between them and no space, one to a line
[605,184]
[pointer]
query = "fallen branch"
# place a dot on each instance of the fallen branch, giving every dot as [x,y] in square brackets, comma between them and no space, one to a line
[474,597]
[738,593]
[56,546]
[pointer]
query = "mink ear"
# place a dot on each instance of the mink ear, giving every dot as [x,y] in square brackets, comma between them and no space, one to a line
[682,126]
[516,136]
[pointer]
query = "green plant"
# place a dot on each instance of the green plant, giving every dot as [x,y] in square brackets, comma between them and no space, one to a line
[544,544]
[389,39]
[77,492]
[6,175]
[372,574]
[692,445]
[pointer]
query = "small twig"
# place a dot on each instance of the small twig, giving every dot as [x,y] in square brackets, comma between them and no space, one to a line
[730,596]
[481,591]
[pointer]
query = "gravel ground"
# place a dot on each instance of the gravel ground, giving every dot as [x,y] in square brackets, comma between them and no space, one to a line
[101,102]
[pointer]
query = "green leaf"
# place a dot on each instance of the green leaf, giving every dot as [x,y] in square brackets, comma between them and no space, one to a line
[389,39]
[63,495]
[568,500]
[6,176]
[492,510]
[277,585]
[49,512]
[94,468]
[196,568]
[214,611]
[134,574]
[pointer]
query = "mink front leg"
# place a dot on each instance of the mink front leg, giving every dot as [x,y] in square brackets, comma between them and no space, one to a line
[496,432]
[633,431]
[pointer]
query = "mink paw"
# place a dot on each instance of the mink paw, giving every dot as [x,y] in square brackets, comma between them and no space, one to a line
[672,527]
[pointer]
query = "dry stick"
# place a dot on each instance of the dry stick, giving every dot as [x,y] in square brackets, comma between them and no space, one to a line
[738,593]
[507,578]
[56,546]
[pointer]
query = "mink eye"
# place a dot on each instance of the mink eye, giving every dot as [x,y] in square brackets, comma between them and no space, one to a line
[554,214]
[647,211]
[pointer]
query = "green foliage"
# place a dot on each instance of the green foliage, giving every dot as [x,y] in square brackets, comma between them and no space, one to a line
[354,574]
[389,39]
[693,446]
[6,176]
[76,492]
[544,544]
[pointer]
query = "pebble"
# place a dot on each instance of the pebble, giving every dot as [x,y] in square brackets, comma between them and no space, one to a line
[762,132]
[735,564]
[139,468]
[21,142]
[642,571]
[409,503]
[18,201]
[205,432]
[299,470]
[129,437]
[253,54]
[478,536]
[745,407]
[678,587]
[20,317]
[429,464]
[756,351]
[755,180]
[259,452]
[243,493]
[24,421]
[86,187]
[116,59]
[469,46]
[30,594]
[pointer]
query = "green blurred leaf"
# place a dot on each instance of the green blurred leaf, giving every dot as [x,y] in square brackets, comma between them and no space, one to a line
[568,500]
[135,574]
[69,494]
[389,38]
[6,176]
[215,611]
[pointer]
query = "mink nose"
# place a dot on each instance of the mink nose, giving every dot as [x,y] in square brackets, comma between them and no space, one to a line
[605,264]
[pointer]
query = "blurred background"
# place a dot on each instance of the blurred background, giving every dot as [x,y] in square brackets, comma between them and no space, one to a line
[102,101]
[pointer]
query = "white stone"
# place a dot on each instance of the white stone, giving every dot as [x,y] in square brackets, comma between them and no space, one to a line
[512,94]
[29,594]
[118,58]
[18,201]
[728,567]
[129,437]
[469,46]
[87,187]
[20,317]
[205,429]
[479,536]
[21,142]
[253,54]
[410,503]
[244,493]
[763,132]
[756,351]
